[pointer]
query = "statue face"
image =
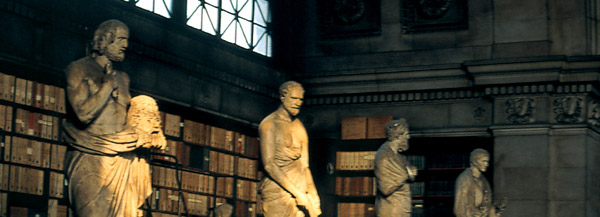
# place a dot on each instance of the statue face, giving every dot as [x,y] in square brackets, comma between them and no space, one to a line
[115,51]
[482,163]
[292,101]
[400,142]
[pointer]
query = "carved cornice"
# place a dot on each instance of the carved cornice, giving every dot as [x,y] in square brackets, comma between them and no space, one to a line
[539,89]
[393,97]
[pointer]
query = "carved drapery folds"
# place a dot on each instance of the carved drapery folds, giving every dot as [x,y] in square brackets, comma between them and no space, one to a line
[569,109]
[520,110]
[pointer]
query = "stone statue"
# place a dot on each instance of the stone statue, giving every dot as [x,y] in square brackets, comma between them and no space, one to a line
[473,192]
[288,189]
[107,165]
[393,172]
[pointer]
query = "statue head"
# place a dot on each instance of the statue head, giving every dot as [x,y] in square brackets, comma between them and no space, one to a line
[291,94]
[110,40]
[397,134]
[143,114]
[480,159]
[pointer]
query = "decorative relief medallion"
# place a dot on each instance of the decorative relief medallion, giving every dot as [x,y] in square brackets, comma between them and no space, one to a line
[594,113]
[349,11]
[569,109]
[520,110]
[479,113]
[433,9]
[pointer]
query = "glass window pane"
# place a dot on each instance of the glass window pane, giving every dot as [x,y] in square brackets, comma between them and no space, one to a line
[258,35]
[261,12]
[227,27]
[269,46]
[243,33]
[228,5]
[145,4]
[209,19]
[245,9]
[261,46]
[196,19]
[193,8]
[163,8]
[213,2]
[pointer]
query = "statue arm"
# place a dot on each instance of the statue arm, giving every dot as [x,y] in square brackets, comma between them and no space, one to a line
[390,176]
[267,131]
[311,188]
[86,105]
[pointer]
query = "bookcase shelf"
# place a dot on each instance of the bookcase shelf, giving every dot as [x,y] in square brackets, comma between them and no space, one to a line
[226,161]
[439,161]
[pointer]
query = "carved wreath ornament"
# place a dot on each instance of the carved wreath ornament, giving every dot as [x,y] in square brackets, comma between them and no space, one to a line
[349,11]
[433,8]
[568,109]
[520,110]
[594,113]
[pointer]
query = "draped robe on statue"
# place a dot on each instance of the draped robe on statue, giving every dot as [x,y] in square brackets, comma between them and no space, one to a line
[108,176]
[278,202]
[473,196]
[393,191]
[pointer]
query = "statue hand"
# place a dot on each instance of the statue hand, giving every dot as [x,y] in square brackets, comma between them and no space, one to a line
[109,79]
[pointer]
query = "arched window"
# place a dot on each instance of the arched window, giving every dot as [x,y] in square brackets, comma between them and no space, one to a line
[241,22]
[244,23]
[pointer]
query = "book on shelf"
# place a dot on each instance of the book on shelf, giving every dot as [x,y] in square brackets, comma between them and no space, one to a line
[356,209]
[56,185]
[5,175]
[376,126]
[57,156]
[8,92]
[354,128]
[357,160]
[171,124]
[56,210]
[26,180]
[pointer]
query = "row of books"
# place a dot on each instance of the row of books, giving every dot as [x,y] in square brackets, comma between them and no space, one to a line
[22,179]
[32,93]
[417,208]
[57,210]
[225,187]
[246,190]
[356,160]
[190,181]
[3,204]
[176,149]
[417,188]
[171,124]
[356,209]
[245,209]
[355,186]
[448,160]
[219,138]
[416,160]
[36,124]
[33,152]
[221,163]
[6,117]
[16,211]
[168,200]
[247,167]
[364,127]
[438,187]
